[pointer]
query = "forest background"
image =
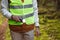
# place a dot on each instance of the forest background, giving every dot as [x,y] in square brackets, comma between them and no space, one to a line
[49,20]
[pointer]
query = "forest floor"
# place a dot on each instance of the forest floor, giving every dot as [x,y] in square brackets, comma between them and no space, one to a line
[49,28]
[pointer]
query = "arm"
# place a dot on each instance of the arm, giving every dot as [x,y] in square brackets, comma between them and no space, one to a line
[35,13]
[37,31]
[5,12]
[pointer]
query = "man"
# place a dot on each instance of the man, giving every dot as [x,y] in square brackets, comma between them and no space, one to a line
[22,15]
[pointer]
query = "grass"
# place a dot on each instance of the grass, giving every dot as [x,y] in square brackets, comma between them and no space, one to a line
[50,29]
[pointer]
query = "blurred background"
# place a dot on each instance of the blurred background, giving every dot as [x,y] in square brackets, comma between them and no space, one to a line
[49,20]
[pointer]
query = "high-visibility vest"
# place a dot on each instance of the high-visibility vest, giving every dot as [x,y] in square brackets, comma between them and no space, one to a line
[18,8]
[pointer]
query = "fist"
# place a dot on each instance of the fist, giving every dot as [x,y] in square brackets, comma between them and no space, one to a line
[37,32]
[16,18]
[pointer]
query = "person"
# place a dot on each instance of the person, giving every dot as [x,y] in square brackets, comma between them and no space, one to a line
[23,17]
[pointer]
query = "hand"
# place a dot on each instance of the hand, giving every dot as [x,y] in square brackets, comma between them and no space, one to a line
[16,18]
[37,32]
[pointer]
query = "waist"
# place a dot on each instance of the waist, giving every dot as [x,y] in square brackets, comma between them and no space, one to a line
[21,28]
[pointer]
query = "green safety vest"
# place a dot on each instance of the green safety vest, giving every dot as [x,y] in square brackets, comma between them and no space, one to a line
[22,9]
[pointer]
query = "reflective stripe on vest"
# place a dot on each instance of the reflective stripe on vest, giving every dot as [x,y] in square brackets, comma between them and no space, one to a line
[25,11]
[26,16]
[20,7]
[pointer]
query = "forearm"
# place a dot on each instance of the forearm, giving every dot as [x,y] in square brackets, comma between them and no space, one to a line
[35,13]
[6,13]
[4,8]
